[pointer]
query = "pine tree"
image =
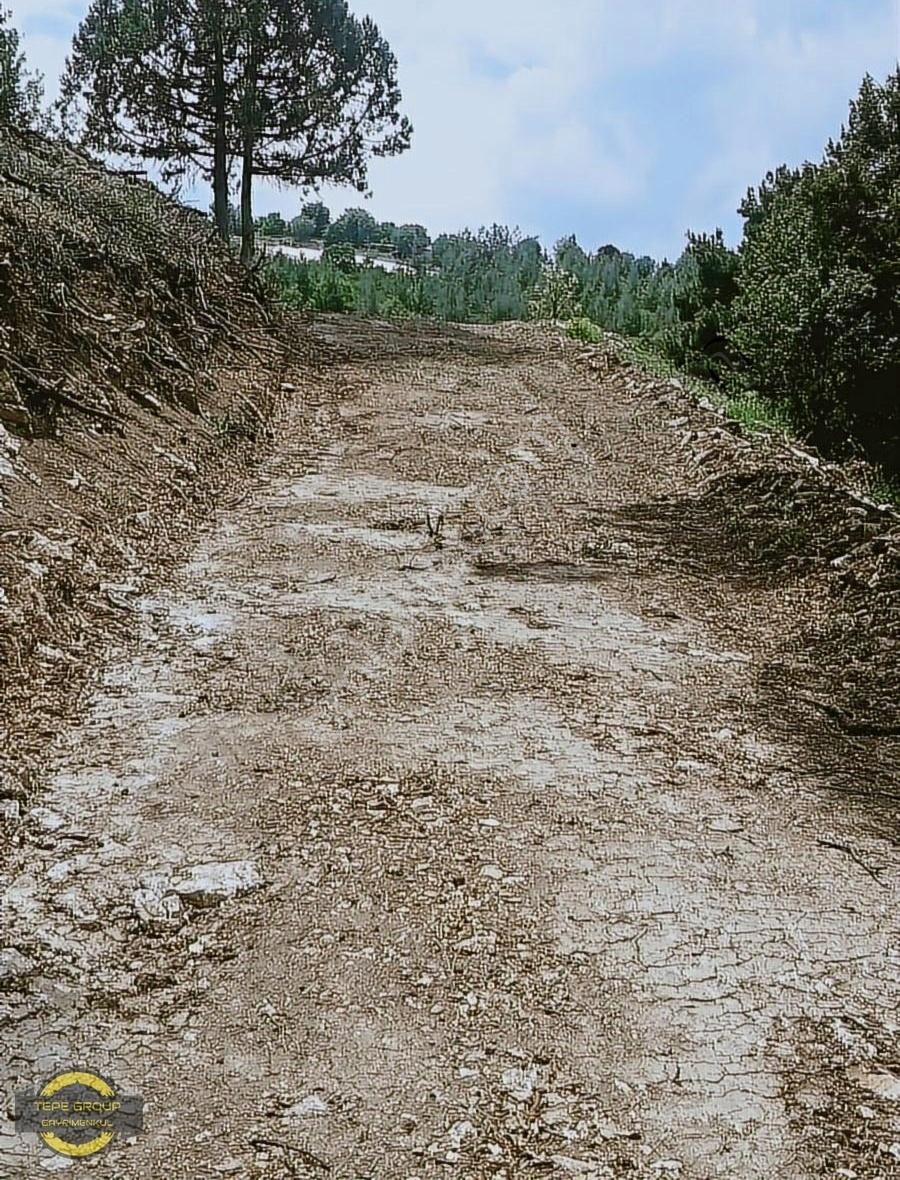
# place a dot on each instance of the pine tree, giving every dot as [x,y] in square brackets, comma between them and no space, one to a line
[154,80]
[320,216]
[318,97]
[298,91]
[21,93]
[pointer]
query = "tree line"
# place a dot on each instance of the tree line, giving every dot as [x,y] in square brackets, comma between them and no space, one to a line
[354,227]
[804,313]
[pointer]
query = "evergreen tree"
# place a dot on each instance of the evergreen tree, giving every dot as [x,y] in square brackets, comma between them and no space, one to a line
[317,213]
[411,241]
[318,97]
[21,93]
[299,91]
[154,80]
[303,229]
[272,225]
[356,227]
[817,316]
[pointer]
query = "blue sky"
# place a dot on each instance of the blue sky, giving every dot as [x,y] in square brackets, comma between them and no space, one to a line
[624,122]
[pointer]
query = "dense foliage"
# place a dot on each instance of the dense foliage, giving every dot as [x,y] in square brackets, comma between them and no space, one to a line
[817,315]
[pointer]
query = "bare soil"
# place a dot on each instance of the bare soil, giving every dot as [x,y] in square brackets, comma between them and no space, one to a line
[570,863]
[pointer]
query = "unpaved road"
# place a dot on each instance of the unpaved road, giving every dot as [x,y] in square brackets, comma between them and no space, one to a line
[544,893]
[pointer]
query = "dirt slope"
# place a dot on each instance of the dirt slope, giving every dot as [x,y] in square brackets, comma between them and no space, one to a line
[136,359]
[553,870]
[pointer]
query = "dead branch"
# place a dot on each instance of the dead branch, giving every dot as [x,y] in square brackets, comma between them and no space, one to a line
[854,856]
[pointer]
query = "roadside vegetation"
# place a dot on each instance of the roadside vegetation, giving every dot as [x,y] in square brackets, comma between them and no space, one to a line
[797,330]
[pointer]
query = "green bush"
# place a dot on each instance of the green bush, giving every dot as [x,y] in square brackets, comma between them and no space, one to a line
[818,315]
[584,329]
[340,256]
[556,296]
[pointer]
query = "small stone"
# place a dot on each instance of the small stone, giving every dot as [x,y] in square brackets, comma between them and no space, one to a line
[8,442]
[572,1166]
[556,1116]
[54,550]
[460,1131]
[408,1123]
[153,903]
[723,823]
[145,1026]
[520,1083]
[483,941]
[492,872]
[47,820]
[312,1106]
[689,765]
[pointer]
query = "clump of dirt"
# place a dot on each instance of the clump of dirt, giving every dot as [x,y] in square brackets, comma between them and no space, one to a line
[139,364]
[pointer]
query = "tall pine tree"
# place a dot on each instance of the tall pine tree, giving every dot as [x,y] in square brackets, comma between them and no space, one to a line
[297,91]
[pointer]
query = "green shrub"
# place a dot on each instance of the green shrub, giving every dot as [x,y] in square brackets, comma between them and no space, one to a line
[584,329]
[817,316]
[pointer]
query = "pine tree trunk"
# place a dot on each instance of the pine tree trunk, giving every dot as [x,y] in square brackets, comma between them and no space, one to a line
[247,199]
[249,116]
[220,143]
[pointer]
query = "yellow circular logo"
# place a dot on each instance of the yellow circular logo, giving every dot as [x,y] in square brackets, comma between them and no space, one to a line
[78,1113]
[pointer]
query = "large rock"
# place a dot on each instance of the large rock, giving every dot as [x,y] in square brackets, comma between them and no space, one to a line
[210,884]
[154,904]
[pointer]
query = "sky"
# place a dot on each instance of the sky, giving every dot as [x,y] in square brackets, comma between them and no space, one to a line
[623,121]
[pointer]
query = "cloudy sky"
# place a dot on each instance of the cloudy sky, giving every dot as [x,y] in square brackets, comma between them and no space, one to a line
[623,121]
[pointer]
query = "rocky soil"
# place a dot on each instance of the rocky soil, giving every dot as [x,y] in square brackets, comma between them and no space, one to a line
[499,786]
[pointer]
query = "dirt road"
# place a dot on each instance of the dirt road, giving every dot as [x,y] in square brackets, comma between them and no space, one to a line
[541,879]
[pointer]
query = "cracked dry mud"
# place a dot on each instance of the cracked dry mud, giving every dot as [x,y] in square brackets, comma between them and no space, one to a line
[543,892]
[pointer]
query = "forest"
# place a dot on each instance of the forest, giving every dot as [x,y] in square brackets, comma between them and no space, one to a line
[801,319]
